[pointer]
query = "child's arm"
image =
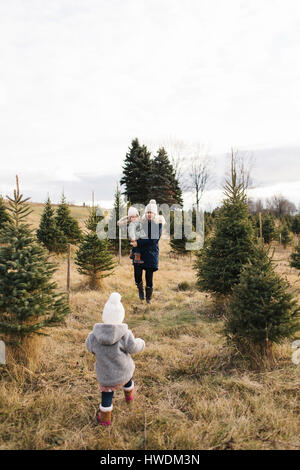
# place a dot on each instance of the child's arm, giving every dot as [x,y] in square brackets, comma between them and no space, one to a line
[133,345]
[89,343]
[123,220]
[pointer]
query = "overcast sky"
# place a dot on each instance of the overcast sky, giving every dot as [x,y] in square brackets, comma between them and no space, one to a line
[80,79]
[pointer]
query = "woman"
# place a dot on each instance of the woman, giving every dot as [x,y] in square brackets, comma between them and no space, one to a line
[149,249]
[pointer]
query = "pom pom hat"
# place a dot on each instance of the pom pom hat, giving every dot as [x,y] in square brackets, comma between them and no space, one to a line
[151,207]
[113,312]
[132,212]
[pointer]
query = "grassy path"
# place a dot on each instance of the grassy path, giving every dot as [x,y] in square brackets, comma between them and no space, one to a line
[191,392]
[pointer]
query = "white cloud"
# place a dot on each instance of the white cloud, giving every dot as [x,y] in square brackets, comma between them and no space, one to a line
[79,79]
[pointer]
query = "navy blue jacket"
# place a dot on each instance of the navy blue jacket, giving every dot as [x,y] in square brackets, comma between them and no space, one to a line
[148,246]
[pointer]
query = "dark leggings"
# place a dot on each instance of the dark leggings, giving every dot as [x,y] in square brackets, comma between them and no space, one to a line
[107,397]
[138,275]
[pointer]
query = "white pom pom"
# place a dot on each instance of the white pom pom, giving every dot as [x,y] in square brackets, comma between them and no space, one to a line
[152,201]
[115,298]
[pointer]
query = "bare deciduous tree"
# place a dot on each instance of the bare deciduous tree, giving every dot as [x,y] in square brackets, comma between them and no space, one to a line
[279,205]
[199,173]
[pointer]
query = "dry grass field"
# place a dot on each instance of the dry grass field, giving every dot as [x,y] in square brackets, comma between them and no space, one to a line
[192,391]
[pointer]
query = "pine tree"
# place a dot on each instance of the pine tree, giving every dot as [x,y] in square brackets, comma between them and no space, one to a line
[285,236]
[220,261]
[120,210]
[261,311]
[66,223]
[268,226]
[48,233]
[93,257]
[28,301]
[164,185]
[296,224]
[295,257]
[4,215]
[137,171]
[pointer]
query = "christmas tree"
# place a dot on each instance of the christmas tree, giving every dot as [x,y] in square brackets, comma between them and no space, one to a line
[66,223]
[295,257]
[164,185]
[93,257]
[48,233]
[285,236]
[261,311]
[4,215]
[137,172]
[268,227]
[296,224]
[120,211]
[220,261]
[28,301]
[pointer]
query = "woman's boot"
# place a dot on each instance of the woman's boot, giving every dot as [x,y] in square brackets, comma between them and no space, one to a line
[141,290]
[149,291]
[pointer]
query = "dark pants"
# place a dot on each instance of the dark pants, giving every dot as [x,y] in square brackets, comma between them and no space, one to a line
[138,275]
[108,396]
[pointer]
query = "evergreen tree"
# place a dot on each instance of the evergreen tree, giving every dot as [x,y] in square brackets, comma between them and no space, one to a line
[93,257]
[120,210]
[268,226]
[296,224]
[295,257]
[285,236]
[261,311]
[48,233]
[66,223]
[137,171]
[28,301]
[4,215]
[164,185]
[220,261]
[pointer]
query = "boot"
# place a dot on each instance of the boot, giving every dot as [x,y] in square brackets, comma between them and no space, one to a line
[149,291]
[104,417]
[141,290]
[129,393]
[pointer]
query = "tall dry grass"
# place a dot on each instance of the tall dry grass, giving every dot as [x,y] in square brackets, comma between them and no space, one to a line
[193,392]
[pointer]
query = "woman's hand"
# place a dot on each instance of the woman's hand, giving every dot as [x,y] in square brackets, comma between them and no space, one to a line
[133,243]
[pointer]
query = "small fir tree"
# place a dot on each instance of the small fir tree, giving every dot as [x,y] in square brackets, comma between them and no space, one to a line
[48,233]
[295,257]
[220,261]
[66,223]
[28,299]
[93,257]
[285,236]
[4,215]
[296,224]
[261,311]
[120,210]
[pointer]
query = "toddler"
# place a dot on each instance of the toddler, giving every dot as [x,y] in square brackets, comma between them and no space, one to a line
[112,343]
[134,231]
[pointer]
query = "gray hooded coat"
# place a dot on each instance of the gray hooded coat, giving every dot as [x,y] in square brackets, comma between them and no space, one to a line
[112,345]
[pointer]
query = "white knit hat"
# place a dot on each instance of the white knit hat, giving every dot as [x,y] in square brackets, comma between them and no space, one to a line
[151,207]
[113,312]
[132,212]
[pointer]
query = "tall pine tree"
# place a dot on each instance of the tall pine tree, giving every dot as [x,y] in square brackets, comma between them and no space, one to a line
[93,257]
[137,174]
[262,311]
[48,233]
[28,299]
[220,261]
[66,223]
[164,185]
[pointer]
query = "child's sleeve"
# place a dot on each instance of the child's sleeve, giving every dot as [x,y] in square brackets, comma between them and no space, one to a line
[89,343]
[133,345]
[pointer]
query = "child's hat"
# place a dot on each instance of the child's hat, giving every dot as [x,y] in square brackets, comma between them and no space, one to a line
[132,212]
[151,207]
[113,312]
